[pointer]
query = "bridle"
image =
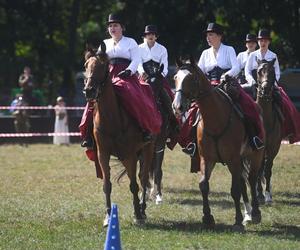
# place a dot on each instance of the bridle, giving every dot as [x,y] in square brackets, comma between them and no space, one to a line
[97,84]
[261,92]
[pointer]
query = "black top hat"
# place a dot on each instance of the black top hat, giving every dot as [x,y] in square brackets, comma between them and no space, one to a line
[251,38]
[150,29]
[215,28]
[264,34]
[114,18]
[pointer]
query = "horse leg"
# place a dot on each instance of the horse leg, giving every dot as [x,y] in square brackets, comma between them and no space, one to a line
[268,175]
[236,195]
[260,181]
[207,219]
[107,187]
[247,206]
[148,153]
[159,156]
[255,212]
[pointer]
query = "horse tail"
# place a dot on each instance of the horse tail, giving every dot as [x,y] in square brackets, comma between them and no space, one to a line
[246,163]
[120,175]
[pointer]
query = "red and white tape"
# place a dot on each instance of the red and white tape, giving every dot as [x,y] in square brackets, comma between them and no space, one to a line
[39,107]
[38,134]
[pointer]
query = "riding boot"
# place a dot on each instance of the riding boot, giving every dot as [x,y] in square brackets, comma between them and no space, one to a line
[167,103]
[255,142]
[190,149]
[88,141]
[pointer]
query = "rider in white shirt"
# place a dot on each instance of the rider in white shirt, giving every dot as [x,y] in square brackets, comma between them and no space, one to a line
[219,59]
[263,52]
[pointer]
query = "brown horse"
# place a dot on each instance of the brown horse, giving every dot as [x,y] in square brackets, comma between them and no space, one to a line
[115,133]
[153,76]
[221,137]
[272,123]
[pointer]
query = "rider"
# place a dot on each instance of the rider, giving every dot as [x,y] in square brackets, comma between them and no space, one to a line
[251,44]
[137,99]
[154,55]
[291,116]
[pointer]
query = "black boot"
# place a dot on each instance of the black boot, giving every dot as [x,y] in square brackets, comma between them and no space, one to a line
[257,143]
[190,149]
[87,142]
[147,137]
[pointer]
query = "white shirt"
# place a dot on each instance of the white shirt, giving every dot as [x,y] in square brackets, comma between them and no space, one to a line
[225,59]
[252,64]
[126,48]
[157,53]
[242,59]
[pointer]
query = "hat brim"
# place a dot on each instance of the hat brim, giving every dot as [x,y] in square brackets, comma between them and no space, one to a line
[213,31]
[150,32]
[264,37]
[251,40]
[114,21]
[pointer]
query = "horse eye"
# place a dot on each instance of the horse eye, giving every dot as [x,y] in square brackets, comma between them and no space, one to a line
[175,77]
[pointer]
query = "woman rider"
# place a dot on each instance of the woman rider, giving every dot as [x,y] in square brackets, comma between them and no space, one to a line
[135,98]
[251,44]
[291,122]
[216,62]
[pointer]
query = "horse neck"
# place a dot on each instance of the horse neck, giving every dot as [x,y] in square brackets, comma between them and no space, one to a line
[214,108]
[109,109]
[267,112]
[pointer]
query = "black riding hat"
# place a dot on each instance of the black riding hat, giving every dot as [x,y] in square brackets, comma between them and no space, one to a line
[150,29]
[215,28]
[264,34]
[114,18]
[251,38]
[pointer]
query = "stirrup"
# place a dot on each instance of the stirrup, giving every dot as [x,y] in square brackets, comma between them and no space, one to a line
[258,143]
[190,149]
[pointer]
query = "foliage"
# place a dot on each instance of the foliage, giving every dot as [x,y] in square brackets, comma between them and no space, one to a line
[50,35]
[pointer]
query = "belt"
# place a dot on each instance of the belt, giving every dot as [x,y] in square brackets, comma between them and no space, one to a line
[119,60]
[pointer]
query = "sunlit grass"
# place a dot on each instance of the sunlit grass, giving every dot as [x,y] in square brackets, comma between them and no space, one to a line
[51,199]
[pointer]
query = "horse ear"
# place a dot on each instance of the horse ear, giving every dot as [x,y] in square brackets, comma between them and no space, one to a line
[192,60]
[273,61]
[178,62]
[258,61]
[102,47]
[89,51]
[161,68]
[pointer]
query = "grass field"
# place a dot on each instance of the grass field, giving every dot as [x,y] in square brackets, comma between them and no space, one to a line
[51,199]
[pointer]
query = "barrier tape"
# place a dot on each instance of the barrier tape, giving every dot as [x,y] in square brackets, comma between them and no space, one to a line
[39,107]
[7,135]
[39,134]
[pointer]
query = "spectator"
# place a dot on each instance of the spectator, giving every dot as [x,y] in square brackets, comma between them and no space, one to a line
[26,84]
[61,123]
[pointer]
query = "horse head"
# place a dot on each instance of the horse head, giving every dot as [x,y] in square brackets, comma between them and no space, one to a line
[190,83]
[265,78]
[96,72]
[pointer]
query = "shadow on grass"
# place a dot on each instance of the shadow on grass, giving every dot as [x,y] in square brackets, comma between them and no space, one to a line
[279,230]
[192,227]
[286,198]
[282,231]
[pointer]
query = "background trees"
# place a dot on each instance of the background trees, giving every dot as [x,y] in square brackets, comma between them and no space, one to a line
[50,35]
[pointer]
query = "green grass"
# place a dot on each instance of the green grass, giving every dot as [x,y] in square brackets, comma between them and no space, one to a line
[51,199]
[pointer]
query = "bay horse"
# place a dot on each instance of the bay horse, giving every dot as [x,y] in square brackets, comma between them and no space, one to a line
[115,133]
[221,137]
[153,76]
[272,122]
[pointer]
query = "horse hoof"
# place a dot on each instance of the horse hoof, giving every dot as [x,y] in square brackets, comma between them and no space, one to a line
[209,222]
[158,199]
[268,198]
[139,222]
[238,228]
[247,219]
[261,199]
[106,221]
[256,219]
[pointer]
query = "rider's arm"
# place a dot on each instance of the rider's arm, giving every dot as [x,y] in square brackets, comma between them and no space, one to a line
[248,69]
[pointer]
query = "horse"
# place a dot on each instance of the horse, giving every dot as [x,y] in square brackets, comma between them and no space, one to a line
[21,121]
[153,76]
[115,133]
[221,137]
[272,122]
